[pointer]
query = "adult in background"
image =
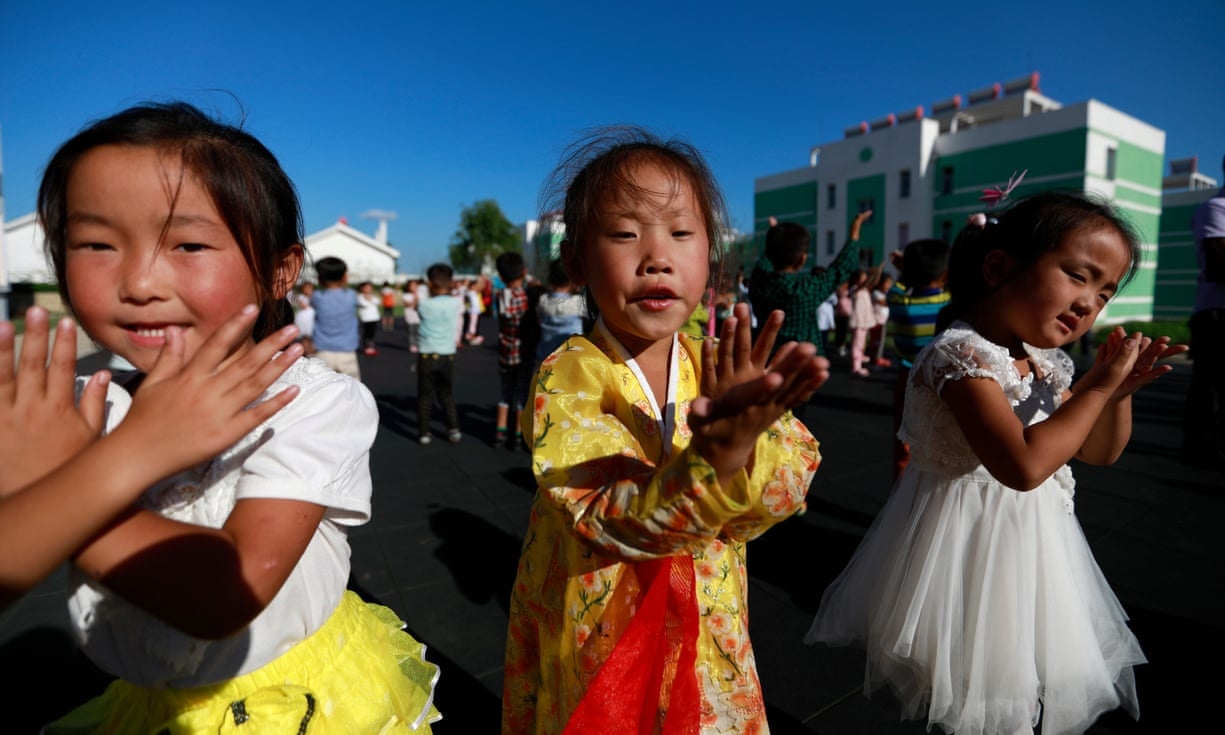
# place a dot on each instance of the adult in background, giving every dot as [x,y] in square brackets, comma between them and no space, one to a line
[1204,418]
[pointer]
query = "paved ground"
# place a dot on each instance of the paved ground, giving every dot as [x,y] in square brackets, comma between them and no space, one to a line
[448,520]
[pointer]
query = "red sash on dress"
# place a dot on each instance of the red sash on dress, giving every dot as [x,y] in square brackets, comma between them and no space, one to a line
[657,652]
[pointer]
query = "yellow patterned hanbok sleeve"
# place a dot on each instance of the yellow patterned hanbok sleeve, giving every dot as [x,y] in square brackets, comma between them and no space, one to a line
[598,455]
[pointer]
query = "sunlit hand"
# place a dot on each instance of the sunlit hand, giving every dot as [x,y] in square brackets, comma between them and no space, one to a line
[41,423]
[742,395]
[208,397]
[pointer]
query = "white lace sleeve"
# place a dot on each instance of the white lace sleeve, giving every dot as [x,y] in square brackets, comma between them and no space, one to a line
[1058,365]
[959,352]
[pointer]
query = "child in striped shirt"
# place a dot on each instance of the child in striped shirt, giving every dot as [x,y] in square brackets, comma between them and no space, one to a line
[914,301]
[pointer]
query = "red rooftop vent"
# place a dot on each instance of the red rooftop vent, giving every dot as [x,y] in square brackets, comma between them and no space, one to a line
[1029,82]
[985,94]
[949,105]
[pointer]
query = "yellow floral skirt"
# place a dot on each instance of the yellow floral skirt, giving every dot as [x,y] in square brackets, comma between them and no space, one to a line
[359,673]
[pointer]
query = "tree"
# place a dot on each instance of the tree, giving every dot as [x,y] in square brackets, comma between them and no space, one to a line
[483,232]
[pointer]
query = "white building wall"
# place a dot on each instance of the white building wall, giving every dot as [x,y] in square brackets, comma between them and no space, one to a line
[906,146]
[23,251]
[23,240]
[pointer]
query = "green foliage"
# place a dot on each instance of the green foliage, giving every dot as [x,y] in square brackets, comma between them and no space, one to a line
[483,231]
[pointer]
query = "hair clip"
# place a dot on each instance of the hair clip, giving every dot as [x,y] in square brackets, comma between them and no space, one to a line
[980,220]
[995,194]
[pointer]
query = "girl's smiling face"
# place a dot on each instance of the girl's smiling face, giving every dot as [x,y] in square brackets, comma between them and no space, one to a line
[647,259]
[147,249]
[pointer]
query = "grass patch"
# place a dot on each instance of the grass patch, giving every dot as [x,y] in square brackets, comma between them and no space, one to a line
[1177,331]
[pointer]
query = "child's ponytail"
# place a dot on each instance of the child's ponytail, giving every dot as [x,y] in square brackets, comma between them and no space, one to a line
[965,272]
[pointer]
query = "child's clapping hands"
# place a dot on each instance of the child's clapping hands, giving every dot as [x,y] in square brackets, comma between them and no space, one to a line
[1127,363]
[744,391]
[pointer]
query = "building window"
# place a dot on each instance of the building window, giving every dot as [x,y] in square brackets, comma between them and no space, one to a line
[866,205]
[831,196]
[903,234]
[946,231]
[946,180]
[829,242]
[903,184]
[1112,156]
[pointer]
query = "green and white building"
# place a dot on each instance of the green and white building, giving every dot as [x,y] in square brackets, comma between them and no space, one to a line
[922,172]
[542,242]
[1182,191]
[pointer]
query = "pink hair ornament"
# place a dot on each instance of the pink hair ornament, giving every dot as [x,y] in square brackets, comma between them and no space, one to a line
[995,194]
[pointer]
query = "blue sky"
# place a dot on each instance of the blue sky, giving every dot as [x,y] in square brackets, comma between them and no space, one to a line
[424,108]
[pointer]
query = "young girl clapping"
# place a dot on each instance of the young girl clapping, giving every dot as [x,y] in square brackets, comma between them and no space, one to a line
[219,599]
[656,460]
[975,592]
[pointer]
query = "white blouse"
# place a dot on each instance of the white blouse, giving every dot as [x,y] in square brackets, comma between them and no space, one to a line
[316,450]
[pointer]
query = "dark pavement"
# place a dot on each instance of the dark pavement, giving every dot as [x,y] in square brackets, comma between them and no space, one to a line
[443,544]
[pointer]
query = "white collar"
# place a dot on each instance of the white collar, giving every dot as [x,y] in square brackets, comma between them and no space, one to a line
[667,424]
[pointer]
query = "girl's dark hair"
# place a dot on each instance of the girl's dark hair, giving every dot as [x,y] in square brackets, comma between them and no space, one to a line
[601,164]
[246,183]
[1031,227]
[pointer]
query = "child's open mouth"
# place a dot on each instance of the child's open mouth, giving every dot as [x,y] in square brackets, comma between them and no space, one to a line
[657,300]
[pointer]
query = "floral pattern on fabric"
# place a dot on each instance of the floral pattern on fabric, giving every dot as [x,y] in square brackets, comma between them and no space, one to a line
[609,496]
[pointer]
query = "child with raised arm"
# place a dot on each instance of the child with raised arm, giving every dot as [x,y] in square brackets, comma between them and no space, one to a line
[218,599]
[779,283]
[656,460]
[975,592]
[61,484]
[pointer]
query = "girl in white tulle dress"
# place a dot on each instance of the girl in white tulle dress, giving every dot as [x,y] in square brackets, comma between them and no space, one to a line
[975,592]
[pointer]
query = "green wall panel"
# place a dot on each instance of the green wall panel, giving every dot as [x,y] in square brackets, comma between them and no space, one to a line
[1182,258]
[793,202]
[1146,223]
[1177,220]
[1044,155]
[1139,165]
[872,234]
[1124,196]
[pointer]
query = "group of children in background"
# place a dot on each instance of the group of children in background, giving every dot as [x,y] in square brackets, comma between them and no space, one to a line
[210,553]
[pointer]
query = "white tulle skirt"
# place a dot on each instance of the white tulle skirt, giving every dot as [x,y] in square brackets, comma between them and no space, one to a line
[982,608]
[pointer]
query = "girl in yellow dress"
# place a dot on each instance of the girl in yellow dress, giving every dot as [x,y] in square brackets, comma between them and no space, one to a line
[657,456]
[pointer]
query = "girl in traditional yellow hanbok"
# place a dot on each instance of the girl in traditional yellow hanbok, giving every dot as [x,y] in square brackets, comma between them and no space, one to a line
[657,456]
